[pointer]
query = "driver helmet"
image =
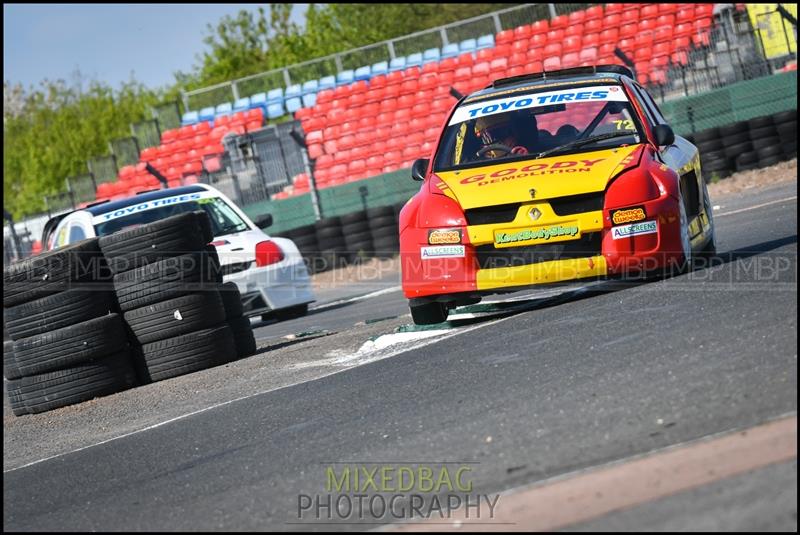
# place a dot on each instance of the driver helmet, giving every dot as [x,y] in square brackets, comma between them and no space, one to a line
[501,126]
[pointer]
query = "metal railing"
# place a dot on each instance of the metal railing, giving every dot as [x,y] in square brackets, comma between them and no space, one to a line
[455,32]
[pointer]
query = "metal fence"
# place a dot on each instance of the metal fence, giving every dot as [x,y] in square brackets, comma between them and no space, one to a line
[147,133]
[488,24]
[103,168]
[168,115]
[125,150]
[258,164]
[82,187]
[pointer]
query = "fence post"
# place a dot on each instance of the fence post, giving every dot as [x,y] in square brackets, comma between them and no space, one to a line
[235,89]
[552,8]
[286,78]
[338,60]
[443,33]
[392,54]
[497,26]
[185,98]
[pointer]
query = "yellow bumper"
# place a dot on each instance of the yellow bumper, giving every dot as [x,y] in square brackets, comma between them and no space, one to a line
[542,273]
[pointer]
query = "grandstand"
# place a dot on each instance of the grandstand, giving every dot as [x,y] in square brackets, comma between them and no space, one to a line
[379,118]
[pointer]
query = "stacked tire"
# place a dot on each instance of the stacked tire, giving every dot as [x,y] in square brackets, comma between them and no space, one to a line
[332,245]
[305,238]
[240,326]
[357,235]
[383,229]
[167,282]
[69,344]
[745,145]
[786,127]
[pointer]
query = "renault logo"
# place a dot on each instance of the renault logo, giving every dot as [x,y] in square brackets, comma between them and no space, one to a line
[534,213]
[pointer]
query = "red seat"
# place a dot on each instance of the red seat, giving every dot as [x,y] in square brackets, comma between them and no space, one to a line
[668,8]
[570,60]
[594,12]
[576,17]
[683,30]
[148,153]
[613,8]
[505,36]
[518,59]
[611,21]
[643,39]
[559,21]
[552,63]
[588,56]
[630,16]
[409,86]
[126,171]
[649,11]
[627,45]
[553,49]
[498,65]
[391,91]
[447,64]
[522,32]
[574,30]
[405,101]
[628,30]
[702,11]
[609,35]
[555,35]
[480,69]
[663,34]
[168,136]
[539,26]
[590,40]
[685,14]
[571,44]
[538,41]
[593,26]
[388,105]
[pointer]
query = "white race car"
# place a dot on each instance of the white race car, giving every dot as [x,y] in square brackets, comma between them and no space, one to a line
[270,272]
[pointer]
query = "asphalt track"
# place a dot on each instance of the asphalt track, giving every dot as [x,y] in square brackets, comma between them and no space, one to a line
[569,384]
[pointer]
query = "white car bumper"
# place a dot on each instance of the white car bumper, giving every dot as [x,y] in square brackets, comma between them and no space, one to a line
[274,287]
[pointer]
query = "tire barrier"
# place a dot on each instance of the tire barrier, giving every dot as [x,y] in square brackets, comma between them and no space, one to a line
[745,145]
[103,315]
[68,341]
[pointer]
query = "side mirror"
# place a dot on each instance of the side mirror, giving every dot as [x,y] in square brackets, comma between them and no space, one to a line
[419,168]
[264,221]
[664,135]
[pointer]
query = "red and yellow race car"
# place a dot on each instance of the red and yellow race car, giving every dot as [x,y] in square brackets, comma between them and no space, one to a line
[550,177]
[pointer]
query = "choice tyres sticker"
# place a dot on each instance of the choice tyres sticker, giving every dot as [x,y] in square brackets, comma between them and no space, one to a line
[442,251]
[635,229]
[602,93]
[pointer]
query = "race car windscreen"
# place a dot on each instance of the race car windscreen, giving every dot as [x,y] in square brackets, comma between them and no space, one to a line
[538,124]
[224,220]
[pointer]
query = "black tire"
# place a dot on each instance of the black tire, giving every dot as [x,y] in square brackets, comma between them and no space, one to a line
[759,133]
[15,401]
[379,211]
[735,139]
[165,279]
[300,232]
[357,238]
[328,233]
[749,166]
[305,242]
[384,221]
[735,150]
[747,158]
[53,271]
[706,135]
[58,310]
[10,370]
[790,150]
[734,129]
[231,300]
[787,131]
[712,155]
[769,151]
[386,248]
[711,145]
[354,217]
[766,142]
[362,249]
[174,317]
[173,236]
[769,160]
[355,228]
[760,122]
[70,346]
[48,391]
[188,353]
[428,313]
[328,222]
[243,337]
[785,117]
[385,232]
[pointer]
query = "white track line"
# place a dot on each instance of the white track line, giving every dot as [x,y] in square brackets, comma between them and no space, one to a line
[376,293]
[792,198]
